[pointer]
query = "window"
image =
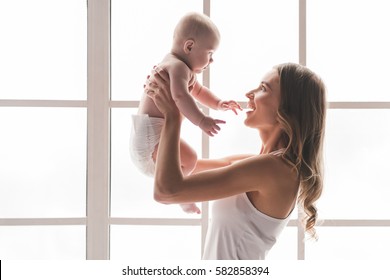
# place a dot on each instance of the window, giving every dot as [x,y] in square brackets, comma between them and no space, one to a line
[43,126]
[352,206]
[68,189]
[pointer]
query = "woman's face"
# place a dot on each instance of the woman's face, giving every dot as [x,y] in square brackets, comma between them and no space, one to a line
[264,102]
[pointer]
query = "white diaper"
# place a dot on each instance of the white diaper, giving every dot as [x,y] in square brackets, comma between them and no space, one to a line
[144,136]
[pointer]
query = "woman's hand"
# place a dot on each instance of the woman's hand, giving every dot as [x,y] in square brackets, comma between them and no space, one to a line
[158,88]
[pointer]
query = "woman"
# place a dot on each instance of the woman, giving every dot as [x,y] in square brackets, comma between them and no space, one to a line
[254,195]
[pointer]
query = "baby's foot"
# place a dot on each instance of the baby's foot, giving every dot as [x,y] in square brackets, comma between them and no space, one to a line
[190,208]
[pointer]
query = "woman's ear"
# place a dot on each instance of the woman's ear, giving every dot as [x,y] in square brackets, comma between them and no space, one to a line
[188,45]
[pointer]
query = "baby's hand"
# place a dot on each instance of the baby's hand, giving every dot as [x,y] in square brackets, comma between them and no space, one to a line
[229,105]
[210,125]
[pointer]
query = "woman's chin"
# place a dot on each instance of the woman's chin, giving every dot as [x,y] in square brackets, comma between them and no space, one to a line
[247,121]
[250,120]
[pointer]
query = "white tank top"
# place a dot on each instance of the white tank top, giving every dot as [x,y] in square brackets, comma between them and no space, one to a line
[238,231]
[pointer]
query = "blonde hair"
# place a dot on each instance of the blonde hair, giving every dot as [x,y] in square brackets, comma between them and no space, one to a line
[194,25]
[302,114]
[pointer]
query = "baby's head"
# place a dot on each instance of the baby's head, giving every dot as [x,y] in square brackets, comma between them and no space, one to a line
[195,39]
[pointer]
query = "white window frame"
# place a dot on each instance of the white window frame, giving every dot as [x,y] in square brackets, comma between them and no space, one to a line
[98,104]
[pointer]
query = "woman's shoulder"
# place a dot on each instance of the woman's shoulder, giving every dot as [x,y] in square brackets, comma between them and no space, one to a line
[263,166]
[272,167]
[272,158]
[278,184]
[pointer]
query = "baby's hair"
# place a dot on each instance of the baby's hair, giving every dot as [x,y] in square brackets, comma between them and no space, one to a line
[194,25]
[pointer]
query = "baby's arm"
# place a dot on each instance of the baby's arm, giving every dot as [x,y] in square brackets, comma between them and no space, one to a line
[180,94]
[179,77]
[207,98]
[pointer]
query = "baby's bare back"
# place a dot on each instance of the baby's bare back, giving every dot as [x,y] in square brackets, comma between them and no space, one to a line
[147,105]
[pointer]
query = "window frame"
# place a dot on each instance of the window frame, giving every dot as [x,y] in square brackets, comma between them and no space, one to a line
[99,104]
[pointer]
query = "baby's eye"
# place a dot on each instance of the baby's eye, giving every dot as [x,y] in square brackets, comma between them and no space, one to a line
[262,88]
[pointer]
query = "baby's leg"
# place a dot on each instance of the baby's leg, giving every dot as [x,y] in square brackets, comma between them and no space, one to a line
[188,157]
[188,160]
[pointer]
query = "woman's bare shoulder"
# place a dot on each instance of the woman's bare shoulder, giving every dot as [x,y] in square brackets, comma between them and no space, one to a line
[270,169]
[283,177]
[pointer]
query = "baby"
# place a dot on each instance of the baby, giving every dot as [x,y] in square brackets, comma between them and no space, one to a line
[195,40]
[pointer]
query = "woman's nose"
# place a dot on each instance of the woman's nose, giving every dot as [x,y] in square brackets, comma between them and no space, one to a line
[250,95]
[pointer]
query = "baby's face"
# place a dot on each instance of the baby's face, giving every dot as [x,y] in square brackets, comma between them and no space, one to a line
[201,54]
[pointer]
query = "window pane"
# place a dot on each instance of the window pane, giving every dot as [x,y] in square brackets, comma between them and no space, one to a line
[255,35]
[234,137]
[139,41]
[42,242]
[43,50]
[357,185]
[344,243]
[131,190]
[155,242]
[42,162]
[351,49]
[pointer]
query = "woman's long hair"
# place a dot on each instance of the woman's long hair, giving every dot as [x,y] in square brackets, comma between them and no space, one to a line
[302,116]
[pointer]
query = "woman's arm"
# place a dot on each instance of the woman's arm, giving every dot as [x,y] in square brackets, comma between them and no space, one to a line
[248,175]
[207,164]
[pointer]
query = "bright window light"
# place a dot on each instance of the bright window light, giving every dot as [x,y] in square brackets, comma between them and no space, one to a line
[46,121]
[43,162]
[42,243]
[347,44]
[43,52]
